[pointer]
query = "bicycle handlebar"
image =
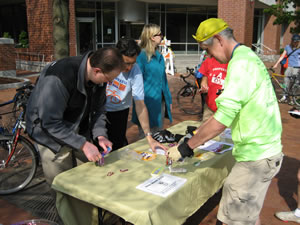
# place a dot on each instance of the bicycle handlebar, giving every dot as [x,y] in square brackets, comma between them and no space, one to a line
[28,85]
[271,69]
[190,71]
[22,95]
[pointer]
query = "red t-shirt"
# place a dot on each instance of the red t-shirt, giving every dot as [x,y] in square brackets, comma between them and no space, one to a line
[215,73]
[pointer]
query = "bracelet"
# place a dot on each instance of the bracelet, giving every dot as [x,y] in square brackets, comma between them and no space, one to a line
[148,134]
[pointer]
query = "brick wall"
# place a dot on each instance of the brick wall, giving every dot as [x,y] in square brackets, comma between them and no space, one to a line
[239,16]
[287,36]
[272,34]
[7,57]
[39,20]
[40,27]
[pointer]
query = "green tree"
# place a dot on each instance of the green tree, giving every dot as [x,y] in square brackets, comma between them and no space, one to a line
[60,28]
[285,16]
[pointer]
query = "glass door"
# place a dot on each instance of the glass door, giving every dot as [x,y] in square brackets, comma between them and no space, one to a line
[85,35]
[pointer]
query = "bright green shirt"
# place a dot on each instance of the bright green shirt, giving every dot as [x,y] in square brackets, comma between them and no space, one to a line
[249,106]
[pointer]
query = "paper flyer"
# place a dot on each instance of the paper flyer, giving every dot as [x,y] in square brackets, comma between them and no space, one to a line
[162,185]
[216,146]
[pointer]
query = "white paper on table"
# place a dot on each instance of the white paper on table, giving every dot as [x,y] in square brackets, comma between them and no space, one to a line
[162,185]
[216,146]
[294,112]
[159,151]
[226,134]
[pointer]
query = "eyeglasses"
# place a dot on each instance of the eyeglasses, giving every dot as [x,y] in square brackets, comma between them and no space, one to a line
[108,79]
[160,35]
[129,63]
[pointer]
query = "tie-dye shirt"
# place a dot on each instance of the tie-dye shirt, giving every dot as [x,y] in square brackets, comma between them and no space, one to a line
[249,106]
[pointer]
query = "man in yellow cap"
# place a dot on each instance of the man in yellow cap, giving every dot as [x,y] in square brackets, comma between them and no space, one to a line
[249,107]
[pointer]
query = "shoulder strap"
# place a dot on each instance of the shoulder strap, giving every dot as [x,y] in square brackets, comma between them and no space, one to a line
[292,52]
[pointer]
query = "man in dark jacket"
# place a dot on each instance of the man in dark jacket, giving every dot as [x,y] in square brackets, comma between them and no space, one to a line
[65,113]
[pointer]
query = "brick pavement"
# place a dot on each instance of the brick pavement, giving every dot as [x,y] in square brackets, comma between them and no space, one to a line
[281,195]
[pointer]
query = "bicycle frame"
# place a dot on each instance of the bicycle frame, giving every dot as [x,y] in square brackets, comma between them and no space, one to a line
[190,73]
[274,76]
[16,134]
[18,126]
[293,79]
[187,96]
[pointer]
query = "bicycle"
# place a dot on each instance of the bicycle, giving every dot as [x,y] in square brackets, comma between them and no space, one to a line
[293,92]
[189,98]
[18,156]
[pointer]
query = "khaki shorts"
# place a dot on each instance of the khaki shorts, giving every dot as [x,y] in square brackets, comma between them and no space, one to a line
[65,159]
[245,189]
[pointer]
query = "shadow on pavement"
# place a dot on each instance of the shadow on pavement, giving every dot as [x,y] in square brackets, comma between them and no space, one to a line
[287,181]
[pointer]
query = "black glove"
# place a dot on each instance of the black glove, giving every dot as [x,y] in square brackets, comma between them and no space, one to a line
[178,137]
[169,136]
[185,150]
[190,130]
[164,136]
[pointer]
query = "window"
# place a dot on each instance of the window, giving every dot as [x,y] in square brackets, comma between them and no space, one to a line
[179,23]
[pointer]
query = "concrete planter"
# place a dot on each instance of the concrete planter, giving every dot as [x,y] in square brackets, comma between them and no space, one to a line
[12,82]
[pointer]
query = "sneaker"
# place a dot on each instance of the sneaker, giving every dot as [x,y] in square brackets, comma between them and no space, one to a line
[283,100]
[291,102]
[287,216]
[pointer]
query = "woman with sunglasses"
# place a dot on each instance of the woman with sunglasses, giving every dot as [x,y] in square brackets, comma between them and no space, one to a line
[157,94]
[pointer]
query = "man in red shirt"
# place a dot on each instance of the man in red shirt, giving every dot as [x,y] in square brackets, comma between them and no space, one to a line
[214,74]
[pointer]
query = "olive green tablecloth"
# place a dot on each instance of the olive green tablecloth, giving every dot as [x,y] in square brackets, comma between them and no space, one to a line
[82,189]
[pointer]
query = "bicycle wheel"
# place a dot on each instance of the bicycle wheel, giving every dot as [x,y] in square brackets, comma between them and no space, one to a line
[278,90]
[22,166]
[296,94]
[189,100]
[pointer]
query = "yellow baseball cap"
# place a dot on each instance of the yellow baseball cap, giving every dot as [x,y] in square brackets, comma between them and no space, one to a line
[209,28]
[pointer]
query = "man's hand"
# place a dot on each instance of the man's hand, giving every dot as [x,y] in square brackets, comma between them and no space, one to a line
[104,143]
[154,144]
[180,151]
[204,85]
[91,152]
[174,154]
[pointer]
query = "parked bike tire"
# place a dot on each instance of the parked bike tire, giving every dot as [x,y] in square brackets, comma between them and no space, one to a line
[189,100]
[296,94]
[22,166]
[277,89]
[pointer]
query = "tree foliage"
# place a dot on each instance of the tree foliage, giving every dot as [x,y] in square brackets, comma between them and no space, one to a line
[284,15]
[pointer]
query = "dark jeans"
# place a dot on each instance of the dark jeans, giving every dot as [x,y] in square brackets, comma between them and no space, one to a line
[116,128]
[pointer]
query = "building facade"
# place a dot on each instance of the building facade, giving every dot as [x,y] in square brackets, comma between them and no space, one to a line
[97,23]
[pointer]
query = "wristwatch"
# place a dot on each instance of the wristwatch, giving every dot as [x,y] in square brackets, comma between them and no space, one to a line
[148,134]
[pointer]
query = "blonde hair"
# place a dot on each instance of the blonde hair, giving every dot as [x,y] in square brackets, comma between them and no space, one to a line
[146,43]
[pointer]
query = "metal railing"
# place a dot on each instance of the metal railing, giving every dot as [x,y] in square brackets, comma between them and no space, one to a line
[30,61]
[264,52]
